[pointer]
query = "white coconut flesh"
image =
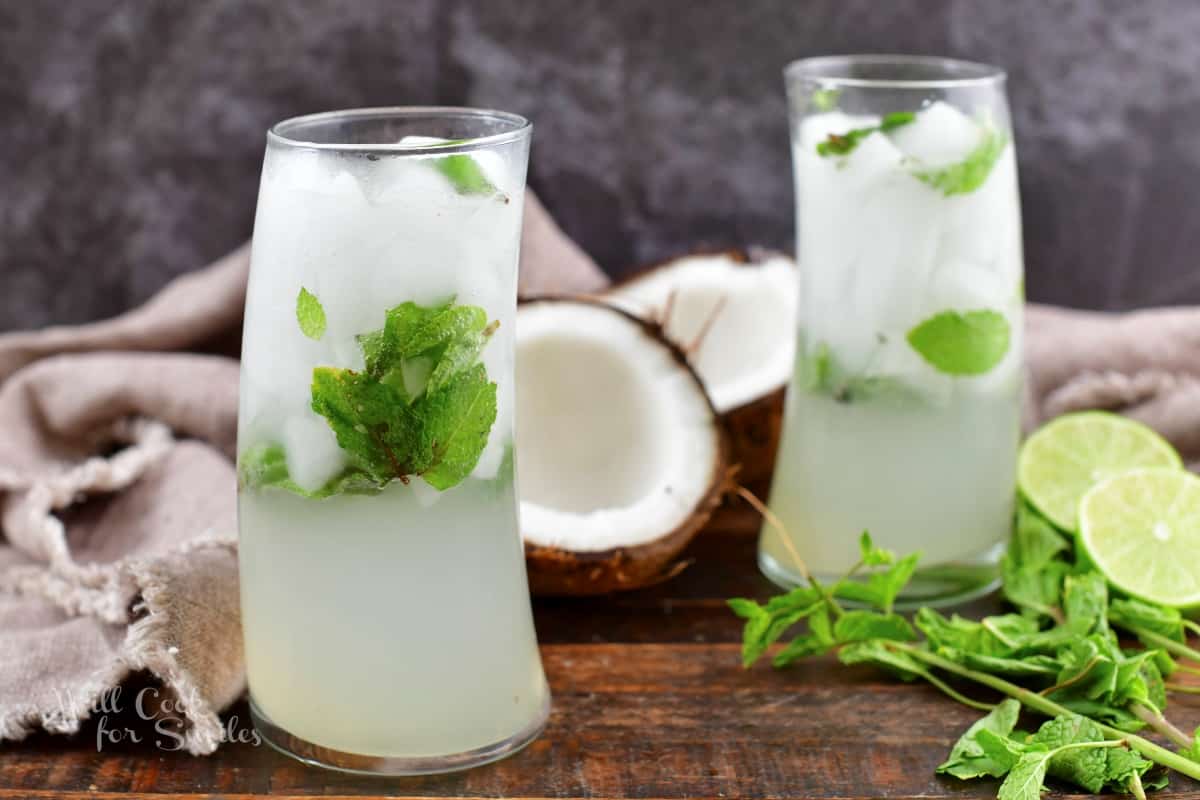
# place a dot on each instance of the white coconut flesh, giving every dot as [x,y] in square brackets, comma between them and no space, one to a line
[617,444]
[735,320]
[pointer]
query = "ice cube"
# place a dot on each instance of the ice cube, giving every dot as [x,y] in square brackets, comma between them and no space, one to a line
[940,135]
[895,232]
[313,455]
[984,226]
[966,286]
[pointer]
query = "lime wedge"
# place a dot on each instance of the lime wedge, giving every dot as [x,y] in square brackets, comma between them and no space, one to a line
[1071,454]
[1142,530]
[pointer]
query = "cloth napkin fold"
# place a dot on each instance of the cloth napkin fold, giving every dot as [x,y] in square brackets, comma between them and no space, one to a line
[117,486]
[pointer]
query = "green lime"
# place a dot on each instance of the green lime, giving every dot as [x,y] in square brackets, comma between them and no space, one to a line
[1071,454]
[1142,530]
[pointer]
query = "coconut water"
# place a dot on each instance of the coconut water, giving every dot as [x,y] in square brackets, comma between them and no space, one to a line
[393,622]
[903,416]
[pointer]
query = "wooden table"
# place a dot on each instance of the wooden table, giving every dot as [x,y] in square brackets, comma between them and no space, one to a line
[650,701]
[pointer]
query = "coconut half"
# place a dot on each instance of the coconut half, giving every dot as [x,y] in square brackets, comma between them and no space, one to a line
[735,316]
[621,456]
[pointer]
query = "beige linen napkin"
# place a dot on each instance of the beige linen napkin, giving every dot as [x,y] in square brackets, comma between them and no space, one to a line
[117,480]
[117,498]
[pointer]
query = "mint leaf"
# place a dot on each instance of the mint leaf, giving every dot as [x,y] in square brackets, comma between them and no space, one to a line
[966,343]
[895,120]
[1085,602]
[456,420]
[265,466]
[825,99]
[1040,668]
[820,372]
[817,369]
[1003,751]
[310,314]
[1083,767]
[968,758]
[879,589]
[765,624]
[876,652]
[369,419]
[857,626]
[840,144]
[969,174]
[1026,779]
[960,634]
[1135,615]
[464,174]
[1032,568]
[871,555]
[1124,769]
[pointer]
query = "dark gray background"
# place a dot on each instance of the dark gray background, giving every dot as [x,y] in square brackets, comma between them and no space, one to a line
[131,132]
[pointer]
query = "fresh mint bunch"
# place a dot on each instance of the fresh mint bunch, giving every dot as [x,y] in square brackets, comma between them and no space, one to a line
[1057,655]
[422,406]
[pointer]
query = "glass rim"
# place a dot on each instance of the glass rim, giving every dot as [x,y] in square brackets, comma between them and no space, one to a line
[835,71]
[521,129]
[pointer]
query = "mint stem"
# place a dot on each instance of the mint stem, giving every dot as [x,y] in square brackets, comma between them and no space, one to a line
[1135,786]
[1166,643]
[1152,751]
[1160,724]
[1182,688]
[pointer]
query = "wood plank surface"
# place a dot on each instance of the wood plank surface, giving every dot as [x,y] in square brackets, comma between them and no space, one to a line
[650,701]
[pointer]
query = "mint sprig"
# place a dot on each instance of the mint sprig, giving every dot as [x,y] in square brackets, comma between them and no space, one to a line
[422,406]
[962,343]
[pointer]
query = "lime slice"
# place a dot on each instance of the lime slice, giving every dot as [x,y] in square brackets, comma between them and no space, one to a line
[1142,530]
[1070,455]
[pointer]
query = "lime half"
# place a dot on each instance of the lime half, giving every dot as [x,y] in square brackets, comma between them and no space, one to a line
[1142,530]
[1062,460]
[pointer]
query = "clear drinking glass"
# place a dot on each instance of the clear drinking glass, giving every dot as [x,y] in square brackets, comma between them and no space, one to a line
[902,417]
[384,601]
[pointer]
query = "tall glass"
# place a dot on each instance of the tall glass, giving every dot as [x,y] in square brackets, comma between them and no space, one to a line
[384,602]
[902,417]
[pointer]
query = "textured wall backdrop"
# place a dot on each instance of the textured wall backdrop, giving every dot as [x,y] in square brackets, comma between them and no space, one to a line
[131,131]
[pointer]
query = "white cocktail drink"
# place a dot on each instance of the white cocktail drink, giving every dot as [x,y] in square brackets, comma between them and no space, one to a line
[903,416]
[384,598]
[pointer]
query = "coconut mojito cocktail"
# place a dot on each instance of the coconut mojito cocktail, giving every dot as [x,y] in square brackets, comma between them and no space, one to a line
[903,414]
[384,601]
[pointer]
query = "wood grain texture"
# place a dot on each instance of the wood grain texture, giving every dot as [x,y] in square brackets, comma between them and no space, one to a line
[649,702]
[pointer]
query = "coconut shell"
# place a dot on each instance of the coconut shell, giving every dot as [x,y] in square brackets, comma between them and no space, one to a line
[754,428]
[555,571]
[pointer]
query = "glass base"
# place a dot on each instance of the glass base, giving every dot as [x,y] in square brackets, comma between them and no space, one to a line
[935,586]
[318,756]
